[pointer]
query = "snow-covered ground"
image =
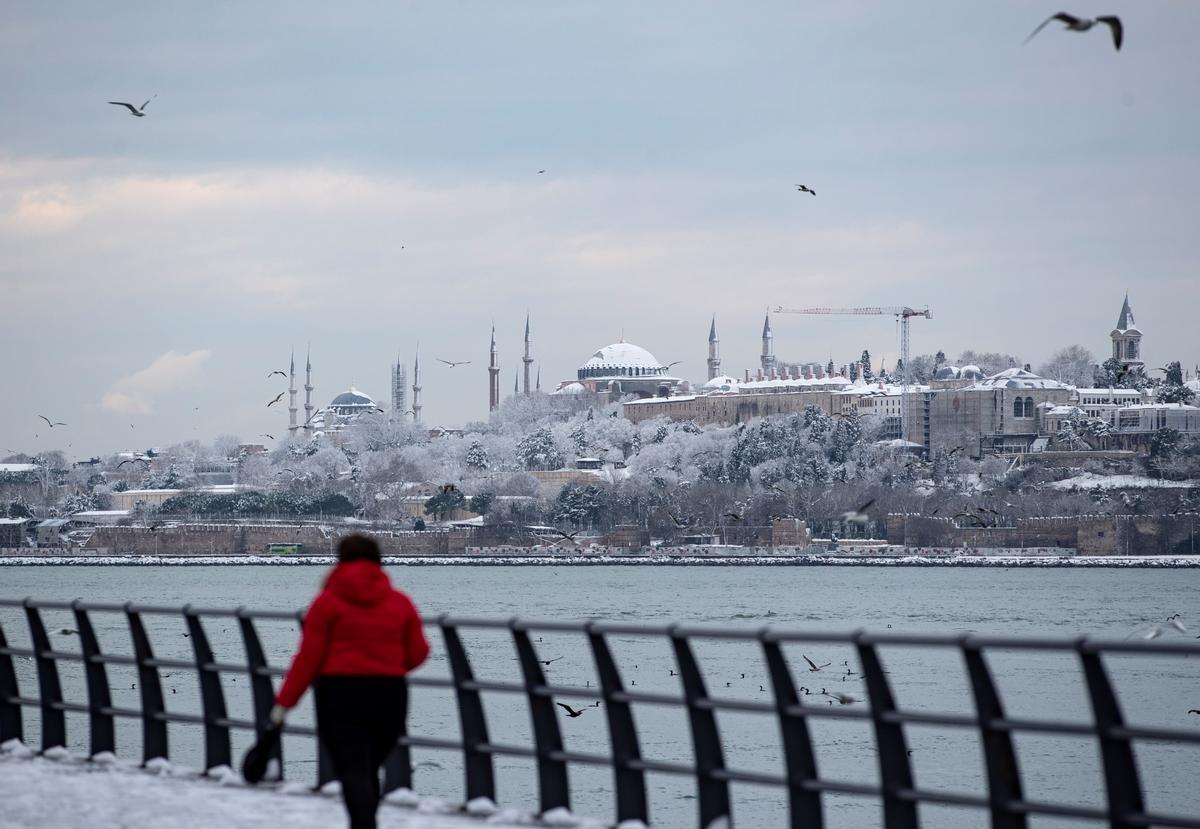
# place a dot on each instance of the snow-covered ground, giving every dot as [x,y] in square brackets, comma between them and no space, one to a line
[1090,480]
[65,792]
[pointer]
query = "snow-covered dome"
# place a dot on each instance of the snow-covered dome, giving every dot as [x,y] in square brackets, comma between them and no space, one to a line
[1018,378]
[352,402]
[722,383]
[570,388]
[947,373]
[971,373]
[623,355]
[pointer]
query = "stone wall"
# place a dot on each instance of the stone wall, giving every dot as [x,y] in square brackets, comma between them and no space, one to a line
[1095,535]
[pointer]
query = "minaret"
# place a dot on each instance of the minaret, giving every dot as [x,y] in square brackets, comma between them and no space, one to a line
[493,376]
[399,390]
[714,350]
[416,407]
[516,384]
[308,390]
[539,378]
[528,358]
[1126,339]
[292,392]
[768,346]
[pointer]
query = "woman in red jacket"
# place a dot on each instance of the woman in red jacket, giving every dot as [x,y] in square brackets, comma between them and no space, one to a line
[361,636]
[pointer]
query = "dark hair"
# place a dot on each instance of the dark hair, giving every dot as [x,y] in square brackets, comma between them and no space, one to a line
[358,548]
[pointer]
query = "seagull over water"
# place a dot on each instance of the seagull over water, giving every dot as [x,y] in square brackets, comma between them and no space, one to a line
[1083,24]
[139,112]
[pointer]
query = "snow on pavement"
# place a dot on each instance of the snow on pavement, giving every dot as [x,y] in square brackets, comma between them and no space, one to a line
[68,792]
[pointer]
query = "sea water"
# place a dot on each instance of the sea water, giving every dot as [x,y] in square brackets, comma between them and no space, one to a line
[1044,602]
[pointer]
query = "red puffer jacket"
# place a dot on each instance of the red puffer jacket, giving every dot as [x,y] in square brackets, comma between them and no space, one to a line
[359,625]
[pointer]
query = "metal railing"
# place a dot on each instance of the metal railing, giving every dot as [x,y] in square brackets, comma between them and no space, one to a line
[1004,801]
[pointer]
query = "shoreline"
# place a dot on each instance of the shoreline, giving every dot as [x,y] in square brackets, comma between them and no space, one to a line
[644,560]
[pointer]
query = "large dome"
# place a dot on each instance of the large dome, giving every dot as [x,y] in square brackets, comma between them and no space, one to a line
[351,402]
[623,355]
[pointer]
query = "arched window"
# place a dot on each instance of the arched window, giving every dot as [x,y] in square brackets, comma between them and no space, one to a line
[1131,349]
[1029,407]
[1018,408]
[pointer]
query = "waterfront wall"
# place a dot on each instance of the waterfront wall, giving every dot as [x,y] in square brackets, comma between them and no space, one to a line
[1093,535]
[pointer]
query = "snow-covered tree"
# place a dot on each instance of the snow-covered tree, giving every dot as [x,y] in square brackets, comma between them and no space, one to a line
[864,363]
[477,456]
[1073,365]
[1172,389]
[989,362]
[537,450]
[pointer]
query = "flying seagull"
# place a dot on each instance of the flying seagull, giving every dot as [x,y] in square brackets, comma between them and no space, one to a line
[677,362]
[51,423]
[453,363]
[805,189]
[858,516]
[842,699]
[1082,24]
[273,373]
[548,662]
[276,400]
[813,666]
[571,712]
[265,435]
[134,460]
[139,112]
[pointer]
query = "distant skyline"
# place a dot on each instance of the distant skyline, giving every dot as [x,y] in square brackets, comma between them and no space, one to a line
[367,179]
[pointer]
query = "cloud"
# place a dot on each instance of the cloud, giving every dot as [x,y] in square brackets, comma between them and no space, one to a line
[135,393]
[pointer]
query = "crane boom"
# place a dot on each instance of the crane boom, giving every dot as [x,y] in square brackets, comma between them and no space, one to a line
[902,313]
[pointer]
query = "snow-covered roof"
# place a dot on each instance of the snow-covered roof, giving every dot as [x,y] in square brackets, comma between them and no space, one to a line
[794,384]
[623,355]
[1015,378]
[18,467]
[15,520]
[570,388]
[1062,411]
[1185,407]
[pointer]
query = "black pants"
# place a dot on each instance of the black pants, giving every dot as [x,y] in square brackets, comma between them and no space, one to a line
[359,719]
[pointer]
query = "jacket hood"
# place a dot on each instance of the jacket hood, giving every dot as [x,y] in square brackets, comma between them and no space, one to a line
[359,582]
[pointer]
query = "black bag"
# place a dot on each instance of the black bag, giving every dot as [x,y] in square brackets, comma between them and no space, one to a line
[254,763]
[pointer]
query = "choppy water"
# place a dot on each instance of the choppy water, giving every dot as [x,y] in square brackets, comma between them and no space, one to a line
[1055,602]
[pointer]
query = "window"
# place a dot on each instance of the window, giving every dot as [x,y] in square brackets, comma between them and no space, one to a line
[1018,408]
[1029,407]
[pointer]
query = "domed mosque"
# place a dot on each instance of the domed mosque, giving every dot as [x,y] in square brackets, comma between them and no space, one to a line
[622,369]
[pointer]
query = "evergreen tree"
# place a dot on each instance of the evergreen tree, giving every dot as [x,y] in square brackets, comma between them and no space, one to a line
[865,362]
[477,456]
[444,502]
[1172,389]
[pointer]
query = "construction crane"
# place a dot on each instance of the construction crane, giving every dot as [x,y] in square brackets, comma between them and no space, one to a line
[903,314]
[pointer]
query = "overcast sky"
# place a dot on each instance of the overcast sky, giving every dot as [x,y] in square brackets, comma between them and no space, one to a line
[366,177]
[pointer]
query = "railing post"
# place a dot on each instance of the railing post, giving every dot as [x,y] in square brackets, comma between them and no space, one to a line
[706,739]
[799,759]
[154,725]
[217,751]
[261,691]
[894,771]
[629,780]
[397,768]
[1121,782]
[102,732]
[477,764]
[999,757]
[553,786]
[54,720]
[10,711]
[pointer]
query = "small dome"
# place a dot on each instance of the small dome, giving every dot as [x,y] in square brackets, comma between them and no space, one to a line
[971,373]
[947,373]
[1017,378]
[571,388]
[724,383]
